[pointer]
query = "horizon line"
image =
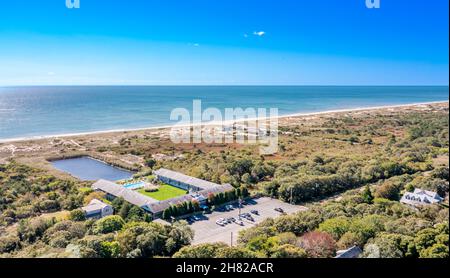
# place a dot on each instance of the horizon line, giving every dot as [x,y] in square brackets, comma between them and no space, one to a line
[228,85]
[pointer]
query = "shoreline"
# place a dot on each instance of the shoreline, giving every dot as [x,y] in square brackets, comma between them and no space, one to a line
[155,128]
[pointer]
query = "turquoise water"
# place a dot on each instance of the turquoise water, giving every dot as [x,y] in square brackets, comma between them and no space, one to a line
[88,169]
[40,111]
[136,185]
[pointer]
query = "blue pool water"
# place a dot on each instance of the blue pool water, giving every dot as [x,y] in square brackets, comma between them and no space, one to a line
[41,111]
[136,185]
[88,169]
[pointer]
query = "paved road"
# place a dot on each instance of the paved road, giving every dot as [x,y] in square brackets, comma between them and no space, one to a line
[207,231]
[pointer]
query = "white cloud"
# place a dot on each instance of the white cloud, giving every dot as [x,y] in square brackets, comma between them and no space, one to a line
[259,33]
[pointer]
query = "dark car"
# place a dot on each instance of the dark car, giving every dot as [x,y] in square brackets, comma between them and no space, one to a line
[279,210]
[255,212]
[190,219]
[196,218]
[208,211]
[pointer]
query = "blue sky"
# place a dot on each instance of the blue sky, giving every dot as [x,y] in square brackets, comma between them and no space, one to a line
[231,42]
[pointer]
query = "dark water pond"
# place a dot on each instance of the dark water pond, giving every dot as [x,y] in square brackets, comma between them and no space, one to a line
[88,169]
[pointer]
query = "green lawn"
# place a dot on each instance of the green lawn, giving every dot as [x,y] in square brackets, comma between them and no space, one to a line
[165,192]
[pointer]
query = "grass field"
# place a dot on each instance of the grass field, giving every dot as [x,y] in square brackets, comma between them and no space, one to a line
[165,192]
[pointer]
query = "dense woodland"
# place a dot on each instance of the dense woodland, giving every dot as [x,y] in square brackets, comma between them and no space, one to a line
[349,171]
[382,228]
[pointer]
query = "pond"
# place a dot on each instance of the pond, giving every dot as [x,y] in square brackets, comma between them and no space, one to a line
[89,169]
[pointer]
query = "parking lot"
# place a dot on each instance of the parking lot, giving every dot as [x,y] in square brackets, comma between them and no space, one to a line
[206,229]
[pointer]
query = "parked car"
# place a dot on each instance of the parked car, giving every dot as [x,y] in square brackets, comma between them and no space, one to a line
[207,211]
[255,212]
[232,219]
[220,223]
[189,220]
[279,210]
[196,218]
[229,207]
[240,223]
[245,215]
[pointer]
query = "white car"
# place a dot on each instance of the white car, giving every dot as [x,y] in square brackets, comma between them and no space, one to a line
[220,223]
[229,207]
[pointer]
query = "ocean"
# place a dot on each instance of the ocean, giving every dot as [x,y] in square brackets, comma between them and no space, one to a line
[45,111]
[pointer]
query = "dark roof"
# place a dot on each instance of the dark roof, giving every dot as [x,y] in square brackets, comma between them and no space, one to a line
[185,178]
[128,195]
[216,190]
[152,205]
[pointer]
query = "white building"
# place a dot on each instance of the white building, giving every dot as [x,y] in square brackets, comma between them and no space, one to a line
[351,253]
[97,209]
[421,197]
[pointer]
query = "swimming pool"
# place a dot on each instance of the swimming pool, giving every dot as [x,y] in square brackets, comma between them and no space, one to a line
[135,185]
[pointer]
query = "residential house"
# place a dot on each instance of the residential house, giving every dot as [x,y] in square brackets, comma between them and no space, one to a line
[97,209]
[421,197]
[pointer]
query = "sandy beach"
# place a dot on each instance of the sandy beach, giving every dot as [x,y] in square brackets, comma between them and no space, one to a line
[101,145]
[166,127]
